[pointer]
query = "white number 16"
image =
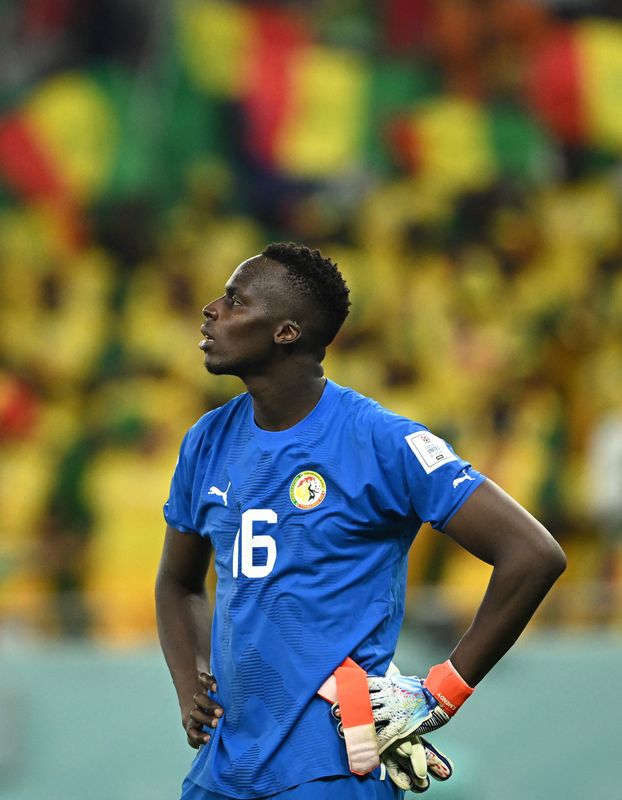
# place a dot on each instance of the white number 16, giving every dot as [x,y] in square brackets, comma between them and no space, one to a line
[252,541]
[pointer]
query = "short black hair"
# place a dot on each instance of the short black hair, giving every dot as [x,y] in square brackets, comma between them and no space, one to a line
[319,279]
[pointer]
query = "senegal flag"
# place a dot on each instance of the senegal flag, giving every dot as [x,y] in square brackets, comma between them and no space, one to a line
[61,141]
[462,145]
[320,116]
[575,84]
[305,105]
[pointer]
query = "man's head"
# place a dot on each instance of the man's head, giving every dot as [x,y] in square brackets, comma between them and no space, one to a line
[287,300]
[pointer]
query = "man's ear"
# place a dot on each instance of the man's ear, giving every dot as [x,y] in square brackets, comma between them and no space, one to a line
[287,332]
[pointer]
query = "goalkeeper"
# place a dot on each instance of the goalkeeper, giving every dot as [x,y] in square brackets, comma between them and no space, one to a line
[308,495]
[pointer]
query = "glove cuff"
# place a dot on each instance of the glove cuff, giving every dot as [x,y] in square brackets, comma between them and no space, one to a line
[447,686]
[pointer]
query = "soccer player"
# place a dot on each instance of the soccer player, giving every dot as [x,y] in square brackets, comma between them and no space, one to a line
[308,496]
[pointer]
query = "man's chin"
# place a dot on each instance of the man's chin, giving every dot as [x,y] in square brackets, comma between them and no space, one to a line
[214,368]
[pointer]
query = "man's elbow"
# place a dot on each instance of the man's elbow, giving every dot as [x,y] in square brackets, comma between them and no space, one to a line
[167,587]
[557,561]
[548,560]
[537,560]
[169,584]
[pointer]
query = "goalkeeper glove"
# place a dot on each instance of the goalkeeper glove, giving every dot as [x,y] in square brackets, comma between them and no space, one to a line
[448,687]
[403,708]
[410,761]
[404,704]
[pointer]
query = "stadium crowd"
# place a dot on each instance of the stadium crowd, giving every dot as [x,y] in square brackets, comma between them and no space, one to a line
[487,292]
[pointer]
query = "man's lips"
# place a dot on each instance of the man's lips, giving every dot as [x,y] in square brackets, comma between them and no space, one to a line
[207,341]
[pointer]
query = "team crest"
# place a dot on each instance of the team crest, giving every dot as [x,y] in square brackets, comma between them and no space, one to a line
[307,490]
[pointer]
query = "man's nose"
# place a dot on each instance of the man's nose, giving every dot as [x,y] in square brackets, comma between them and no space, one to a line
[209,312]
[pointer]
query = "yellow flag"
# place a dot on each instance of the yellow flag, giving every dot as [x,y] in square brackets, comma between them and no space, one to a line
[74,125]
[216,38]
[600,53]
[453,144]
[321,133]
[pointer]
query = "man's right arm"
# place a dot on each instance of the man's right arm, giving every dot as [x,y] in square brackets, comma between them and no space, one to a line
[184,622]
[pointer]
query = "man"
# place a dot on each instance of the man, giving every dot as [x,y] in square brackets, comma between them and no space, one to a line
[309,496]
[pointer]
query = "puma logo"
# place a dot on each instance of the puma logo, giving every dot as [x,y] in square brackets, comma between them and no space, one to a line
[220,493]
[462,478]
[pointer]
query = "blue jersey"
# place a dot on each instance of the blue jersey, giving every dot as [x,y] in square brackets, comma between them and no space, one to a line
[311,528]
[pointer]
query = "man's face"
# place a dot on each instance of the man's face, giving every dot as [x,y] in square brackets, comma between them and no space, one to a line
[240,326]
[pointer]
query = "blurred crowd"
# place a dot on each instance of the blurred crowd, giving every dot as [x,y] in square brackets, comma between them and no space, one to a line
[472,197]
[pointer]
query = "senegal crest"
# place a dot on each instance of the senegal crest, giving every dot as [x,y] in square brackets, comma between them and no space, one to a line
[307,490]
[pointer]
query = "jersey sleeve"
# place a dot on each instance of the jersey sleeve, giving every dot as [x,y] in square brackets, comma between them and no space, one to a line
[424,478]
[439,480]
[178,507]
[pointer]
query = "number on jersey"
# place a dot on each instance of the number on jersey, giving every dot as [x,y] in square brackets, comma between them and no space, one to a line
[246,542]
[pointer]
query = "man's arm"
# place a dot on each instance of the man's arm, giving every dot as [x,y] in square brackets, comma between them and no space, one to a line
[184,621]
[526,561]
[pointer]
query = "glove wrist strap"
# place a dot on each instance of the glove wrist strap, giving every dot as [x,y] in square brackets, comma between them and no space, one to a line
[348,686]
[448,686]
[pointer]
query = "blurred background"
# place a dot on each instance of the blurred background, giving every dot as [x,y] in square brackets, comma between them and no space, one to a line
[462,161]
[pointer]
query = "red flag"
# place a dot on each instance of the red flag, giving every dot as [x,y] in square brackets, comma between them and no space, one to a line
[269,92]
[554,87]
[24,165]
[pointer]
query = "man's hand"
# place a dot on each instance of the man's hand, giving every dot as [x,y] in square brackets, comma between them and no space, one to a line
[204,713]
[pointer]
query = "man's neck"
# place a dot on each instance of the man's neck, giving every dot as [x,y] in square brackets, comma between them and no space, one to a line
[279,402]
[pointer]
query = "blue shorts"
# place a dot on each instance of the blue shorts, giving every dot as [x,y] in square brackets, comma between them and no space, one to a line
[348,787]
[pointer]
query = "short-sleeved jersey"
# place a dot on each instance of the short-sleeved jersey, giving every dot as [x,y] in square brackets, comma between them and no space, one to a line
[311,528]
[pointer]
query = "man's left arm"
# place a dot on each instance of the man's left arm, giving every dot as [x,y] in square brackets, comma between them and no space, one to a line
[526,562]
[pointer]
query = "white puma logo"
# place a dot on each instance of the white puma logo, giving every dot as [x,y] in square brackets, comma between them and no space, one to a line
[462,478]
[220,493]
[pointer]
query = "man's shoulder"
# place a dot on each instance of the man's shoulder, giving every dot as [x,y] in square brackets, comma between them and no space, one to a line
[368,411]
[354,402]
[213,421]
